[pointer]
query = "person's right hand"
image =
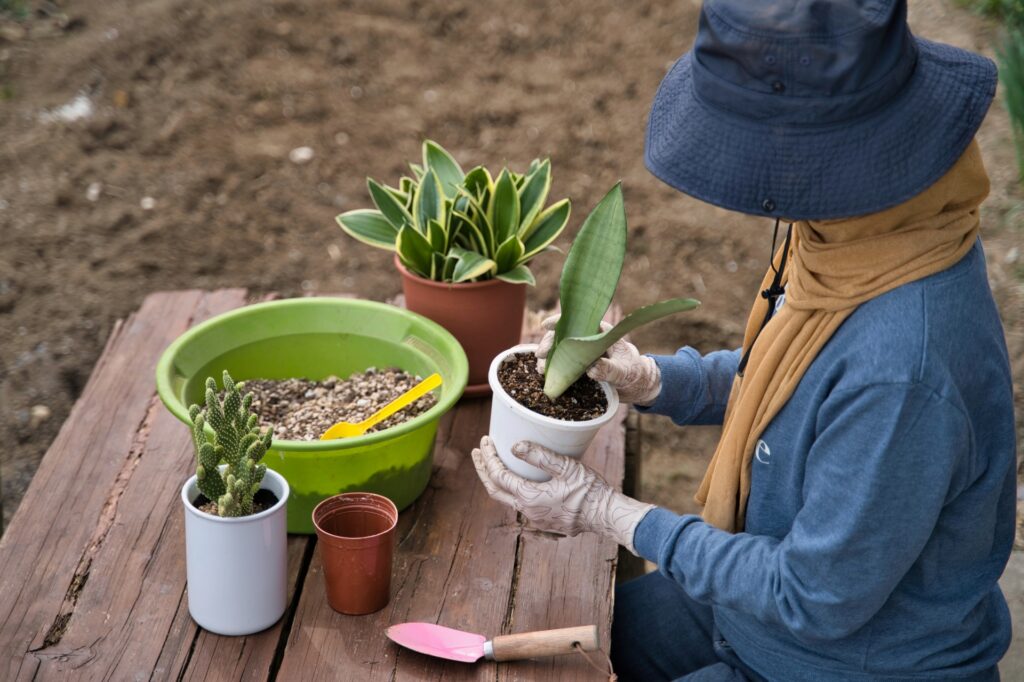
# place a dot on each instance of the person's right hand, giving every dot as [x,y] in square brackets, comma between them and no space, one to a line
[636,377]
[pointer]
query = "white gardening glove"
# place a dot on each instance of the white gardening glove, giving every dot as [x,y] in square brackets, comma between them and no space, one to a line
[576,499]
[636,377]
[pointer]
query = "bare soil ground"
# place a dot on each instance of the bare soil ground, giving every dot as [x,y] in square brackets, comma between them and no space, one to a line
[176,171]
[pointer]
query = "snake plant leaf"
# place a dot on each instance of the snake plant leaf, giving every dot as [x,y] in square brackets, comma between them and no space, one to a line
[429,202]
[520,274]
[592,268]
[503,211]
[414,250]
[470,266]
[438,238]
[573,355]
[478,182]
[370,227]
[436,266]
[449,268]
[476,234]
[417,170]
[406,187]
[533,195]
[478,217]
[509,253]
[448,170]
[389,205]
[548,226]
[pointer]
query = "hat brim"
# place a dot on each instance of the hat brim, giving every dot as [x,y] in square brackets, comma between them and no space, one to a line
[837,170]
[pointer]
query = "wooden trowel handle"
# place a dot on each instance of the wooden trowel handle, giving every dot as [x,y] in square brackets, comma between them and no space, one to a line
[544,643]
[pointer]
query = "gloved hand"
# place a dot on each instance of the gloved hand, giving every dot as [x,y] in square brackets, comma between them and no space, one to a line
[636,377]
[576,499]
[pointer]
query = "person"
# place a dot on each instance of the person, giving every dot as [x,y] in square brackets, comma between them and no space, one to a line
[859,507]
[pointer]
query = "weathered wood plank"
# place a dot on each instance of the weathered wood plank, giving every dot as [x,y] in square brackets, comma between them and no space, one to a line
[133,572]
[64,507]
[569,581]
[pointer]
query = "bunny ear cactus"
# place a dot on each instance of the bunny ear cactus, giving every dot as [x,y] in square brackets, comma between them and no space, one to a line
[454,226]
[589,277]
[237,443]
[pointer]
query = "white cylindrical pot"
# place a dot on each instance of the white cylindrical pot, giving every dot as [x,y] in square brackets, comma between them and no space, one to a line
[237,567]
[512,422]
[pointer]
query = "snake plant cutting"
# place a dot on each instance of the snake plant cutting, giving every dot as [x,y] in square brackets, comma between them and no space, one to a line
[589,277]
[451,226]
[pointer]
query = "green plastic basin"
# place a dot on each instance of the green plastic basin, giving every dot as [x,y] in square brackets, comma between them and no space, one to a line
[315,338]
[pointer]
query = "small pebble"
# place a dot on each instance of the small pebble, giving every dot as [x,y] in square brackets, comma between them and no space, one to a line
[301,155]
[93,191]
[147,203]
[38,414]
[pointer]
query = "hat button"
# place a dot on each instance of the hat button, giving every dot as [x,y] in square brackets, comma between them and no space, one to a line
[768,205]
[778,86]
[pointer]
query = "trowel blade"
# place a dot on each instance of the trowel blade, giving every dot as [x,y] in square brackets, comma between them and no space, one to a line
[437,640]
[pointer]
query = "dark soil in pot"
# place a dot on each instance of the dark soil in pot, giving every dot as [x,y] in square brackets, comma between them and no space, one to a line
[300,409]
[261,501]
[584,400]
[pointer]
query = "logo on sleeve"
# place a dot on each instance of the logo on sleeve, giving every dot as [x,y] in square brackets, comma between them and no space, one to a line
[762,452]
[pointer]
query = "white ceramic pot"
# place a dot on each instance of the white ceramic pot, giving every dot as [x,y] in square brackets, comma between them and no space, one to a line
[511,423]
[237,567]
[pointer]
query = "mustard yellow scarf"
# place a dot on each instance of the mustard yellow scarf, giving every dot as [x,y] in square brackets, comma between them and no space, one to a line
[835,265]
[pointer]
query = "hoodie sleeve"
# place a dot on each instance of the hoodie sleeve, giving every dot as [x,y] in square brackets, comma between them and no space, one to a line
[877,476]
[694,388]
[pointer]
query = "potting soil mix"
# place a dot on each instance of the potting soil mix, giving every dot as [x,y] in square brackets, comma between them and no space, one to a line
[519,377]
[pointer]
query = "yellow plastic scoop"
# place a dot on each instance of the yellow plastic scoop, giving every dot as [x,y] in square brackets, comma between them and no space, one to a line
[348,429]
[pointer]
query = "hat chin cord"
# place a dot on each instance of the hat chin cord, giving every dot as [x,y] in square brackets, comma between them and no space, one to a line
[773,292]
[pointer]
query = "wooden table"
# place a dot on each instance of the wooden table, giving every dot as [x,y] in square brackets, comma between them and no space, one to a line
[92,567]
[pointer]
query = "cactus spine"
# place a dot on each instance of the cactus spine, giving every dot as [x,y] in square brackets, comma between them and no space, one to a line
[237,443]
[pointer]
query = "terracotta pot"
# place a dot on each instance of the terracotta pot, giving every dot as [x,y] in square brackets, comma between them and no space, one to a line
[356,540]
[485,317]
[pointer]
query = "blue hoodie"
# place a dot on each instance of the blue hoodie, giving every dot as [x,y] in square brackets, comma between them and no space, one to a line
[882,501]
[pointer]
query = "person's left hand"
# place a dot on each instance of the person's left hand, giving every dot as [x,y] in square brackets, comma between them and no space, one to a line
[576,499]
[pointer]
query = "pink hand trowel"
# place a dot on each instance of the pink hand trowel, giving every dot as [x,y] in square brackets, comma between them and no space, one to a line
[455,645]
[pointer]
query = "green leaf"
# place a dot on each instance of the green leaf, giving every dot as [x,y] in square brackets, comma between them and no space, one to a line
[429,202]
[437,266]
[520,274]
[370,227]
[414,250]
[548,226]
[503,211]
[448,170]
[533,195]
[592,268]
[417,170]
[407,187]
[449,268]
[573,355]
[438,237]
[470,266]
[478,182]
[508,254]
[480,235]
[388,204]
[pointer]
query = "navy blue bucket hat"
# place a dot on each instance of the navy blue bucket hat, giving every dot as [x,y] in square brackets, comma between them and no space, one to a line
[813,109]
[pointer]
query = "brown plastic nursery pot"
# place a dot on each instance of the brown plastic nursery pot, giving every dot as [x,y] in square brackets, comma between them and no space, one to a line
[356,536]
[485,317]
